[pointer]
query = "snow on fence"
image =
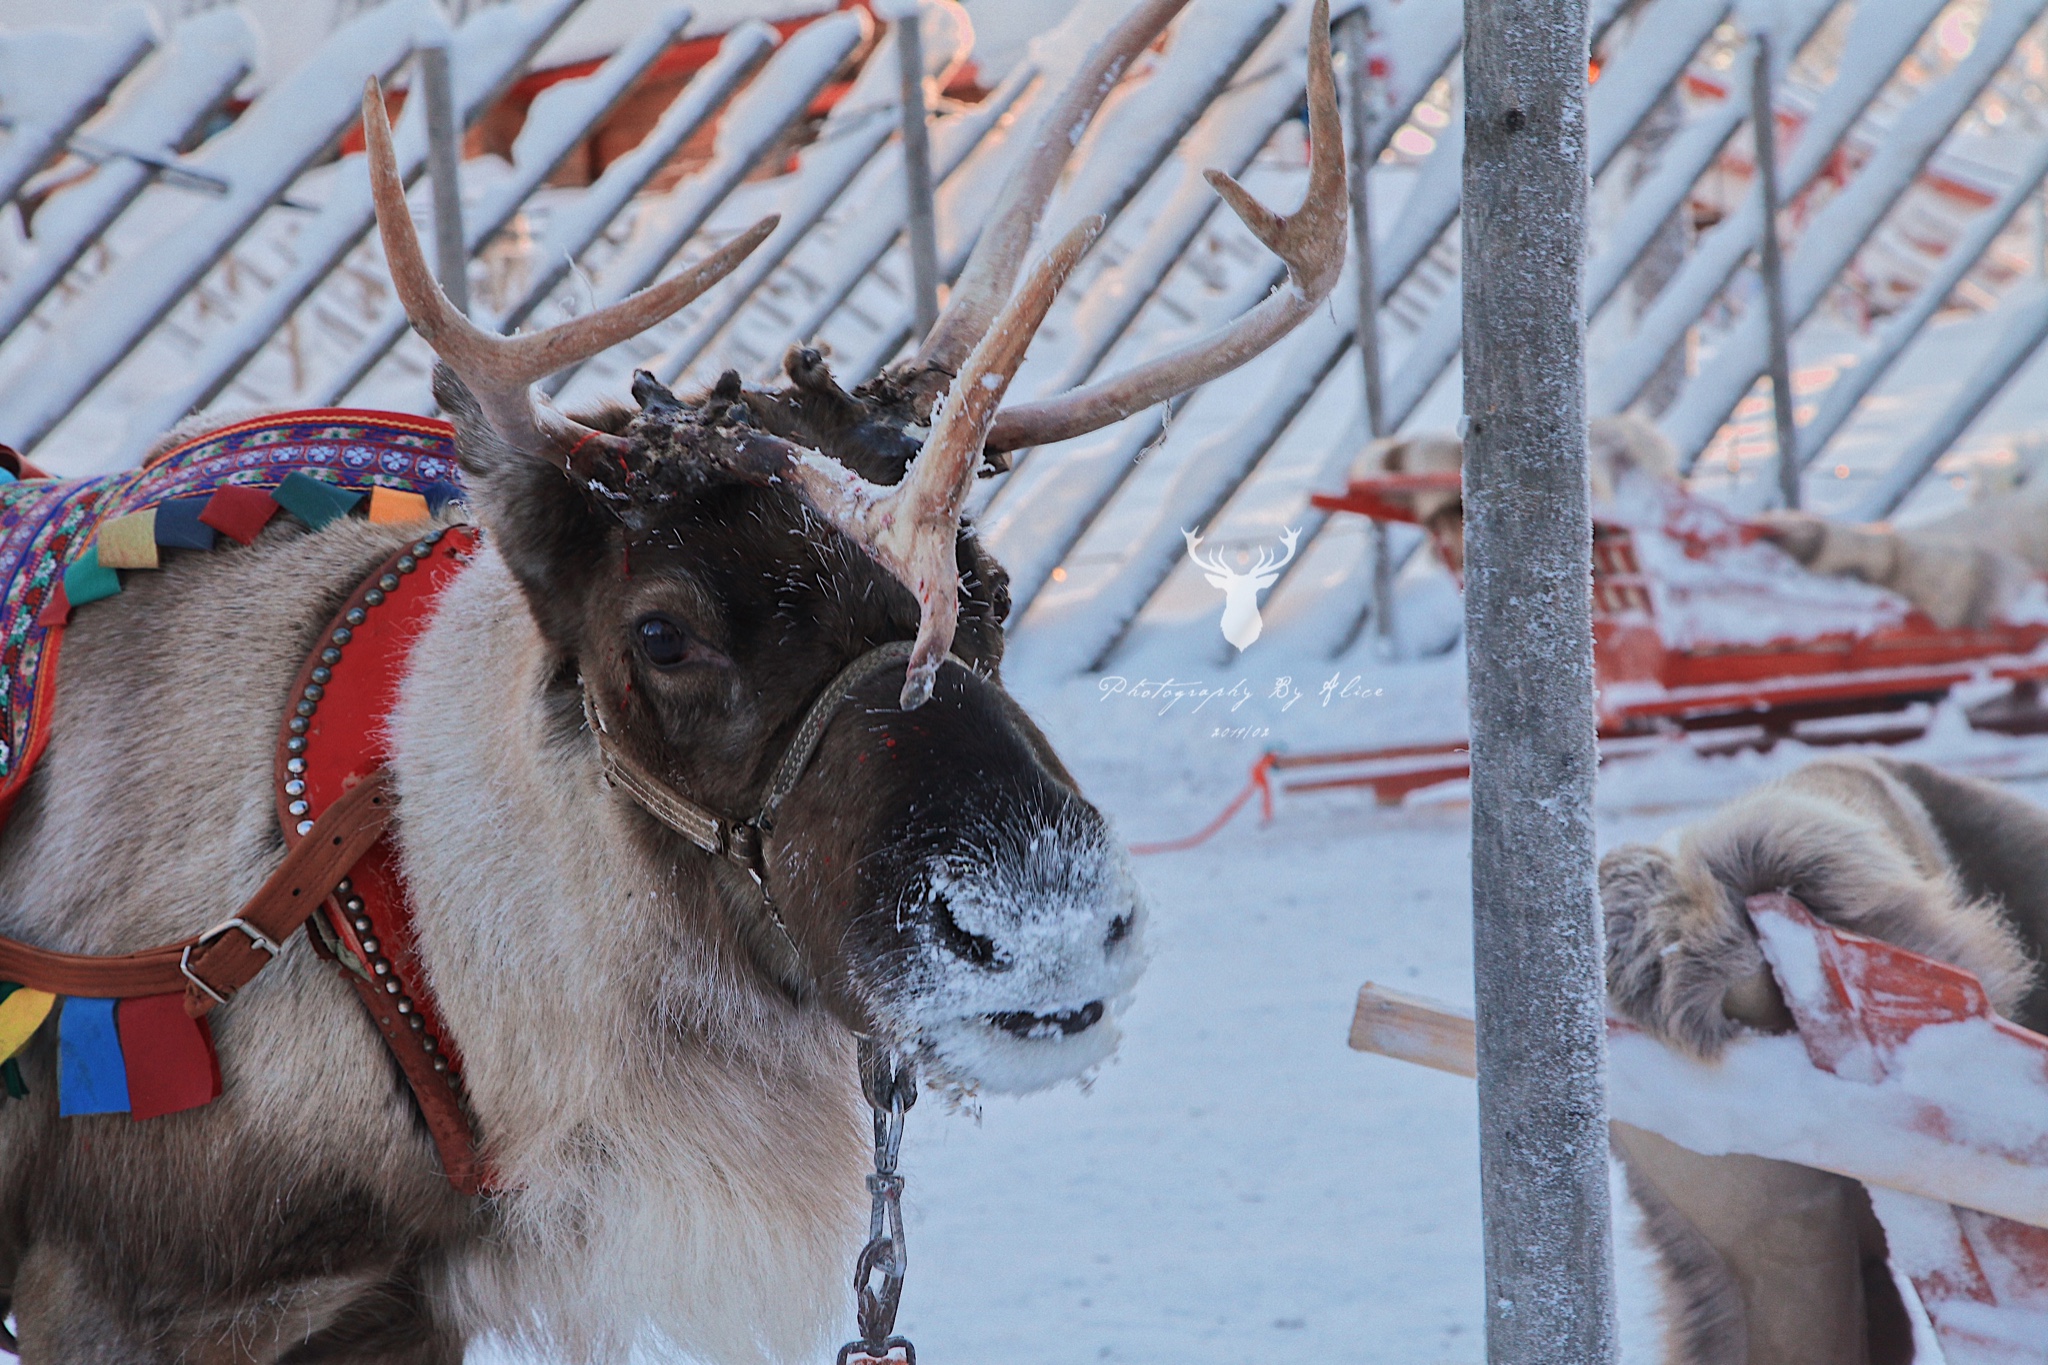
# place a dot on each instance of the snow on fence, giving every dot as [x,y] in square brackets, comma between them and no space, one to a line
[164,260]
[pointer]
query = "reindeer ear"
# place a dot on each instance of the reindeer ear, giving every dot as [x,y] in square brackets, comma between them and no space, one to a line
[551,529]
[1217,580]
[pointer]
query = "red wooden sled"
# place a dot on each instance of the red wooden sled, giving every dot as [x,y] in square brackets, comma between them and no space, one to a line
[1899,1075]
[1828,687]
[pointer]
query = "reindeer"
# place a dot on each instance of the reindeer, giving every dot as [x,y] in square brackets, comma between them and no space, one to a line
[1770,1263]
[663,1078]
[1241,587]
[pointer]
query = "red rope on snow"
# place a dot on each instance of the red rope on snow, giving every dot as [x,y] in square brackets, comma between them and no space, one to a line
[1261,782]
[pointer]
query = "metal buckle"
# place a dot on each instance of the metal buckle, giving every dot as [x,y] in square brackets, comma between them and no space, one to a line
[257,938]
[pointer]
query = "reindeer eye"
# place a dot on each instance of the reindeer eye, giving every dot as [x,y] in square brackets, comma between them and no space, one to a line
[666,644]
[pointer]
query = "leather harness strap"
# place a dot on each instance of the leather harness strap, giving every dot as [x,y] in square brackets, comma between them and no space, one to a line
[212,966]
[740,841]
[335,735]
[227,957]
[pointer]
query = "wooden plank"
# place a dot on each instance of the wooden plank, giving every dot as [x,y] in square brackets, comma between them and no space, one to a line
[1414,1028]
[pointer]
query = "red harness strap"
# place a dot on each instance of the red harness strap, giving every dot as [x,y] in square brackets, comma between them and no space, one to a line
[335,737]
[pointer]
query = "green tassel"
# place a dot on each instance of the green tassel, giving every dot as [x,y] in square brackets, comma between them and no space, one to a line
[313,501]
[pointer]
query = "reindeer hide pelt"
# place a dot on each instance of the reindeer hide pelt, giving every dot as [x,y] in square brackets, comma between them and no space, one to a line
[1845,836]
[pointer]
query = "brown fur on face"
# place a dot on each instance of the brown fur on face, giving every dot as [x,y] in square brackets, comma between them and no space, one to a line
[775,602]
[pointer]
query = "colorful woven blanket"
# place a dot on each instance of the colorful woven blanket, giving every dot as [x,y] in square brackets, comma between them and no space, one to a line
[63,543]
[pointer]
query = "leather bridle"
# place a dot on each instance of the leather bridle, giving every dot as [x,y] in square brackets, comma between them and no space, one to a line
[888,1081]
[741,842]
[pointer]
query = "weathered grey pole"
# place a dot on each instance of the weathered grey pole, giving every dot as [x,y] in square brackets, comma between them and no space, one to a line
[1764,132]
[1354,34]
[444,166]
[922,220]
[1528,628]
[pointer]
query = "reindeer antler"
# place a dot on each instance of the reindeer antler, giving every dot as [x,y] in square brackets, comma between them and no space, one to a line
[991,270]
[911,528]
[1311,241]
[499,370]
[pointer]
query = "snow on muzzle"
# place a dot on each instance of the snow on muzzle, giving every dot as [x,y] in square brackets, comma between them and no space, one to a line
[1028,944]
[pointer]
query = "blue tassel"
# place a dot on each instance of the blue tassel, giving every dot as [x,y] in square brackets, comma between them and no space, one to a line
[91,1076]
[178,525]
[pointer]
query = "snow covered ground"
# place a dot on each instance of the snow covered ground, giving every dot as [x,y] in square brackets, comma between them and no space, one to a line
[1237,1184]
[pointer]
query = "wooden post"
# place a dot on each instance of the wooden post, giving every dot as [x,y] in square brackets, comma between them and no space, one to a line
[1354,33]
[1763,129]
[1540,994]
[922,220]
[444,166]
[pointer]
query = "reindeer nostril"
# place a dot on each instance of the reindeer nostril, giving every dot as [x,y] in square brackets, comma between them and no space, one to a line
[970,947]
[1119,930]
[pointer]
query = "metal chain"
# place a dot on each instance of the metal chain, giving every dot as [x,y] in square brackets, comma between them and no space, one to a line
[891,1088]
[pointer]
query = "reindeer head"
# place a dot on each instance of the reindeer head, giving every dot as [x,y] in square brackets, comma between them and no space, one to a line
[1241,587]
[701,569]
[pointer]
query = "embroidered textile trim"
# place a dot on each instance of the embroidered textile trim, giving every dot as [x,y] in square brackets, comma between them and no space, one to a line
[49,526]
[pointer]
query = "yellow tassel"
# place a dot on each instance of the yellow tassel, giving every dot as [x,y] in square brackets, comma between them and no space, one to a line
[389,505]
[21,1014]
[130,542]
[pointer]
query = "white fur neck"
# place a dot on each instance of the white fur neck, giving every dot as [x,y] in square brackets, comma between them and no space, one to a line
[686,1152]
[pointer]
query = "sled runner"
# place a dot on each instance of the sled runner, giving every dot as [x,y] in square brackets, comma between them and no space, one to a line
[1899,1075]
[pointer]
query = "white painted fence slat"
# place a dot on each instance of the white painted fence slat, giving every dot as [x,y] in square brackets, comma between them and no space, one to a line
[1901,328]
[970,166]
[155,114]
[830,263]
[487,53]
[556,123]
[573,227]
[853,133]
[1880,38]
[753,124]
[1833,236]
[1140,125]
[1666,37]
[51,80]
[2026,326]
[287,129]
[1124,146]
[1682,161]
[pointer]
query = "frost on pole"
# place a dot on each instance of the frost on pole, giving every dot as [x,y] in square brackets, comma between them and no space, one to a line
[1539,991]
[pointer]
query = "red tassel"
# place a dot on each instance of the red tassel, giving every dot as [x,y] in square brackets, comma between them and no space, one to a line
[239,511]
[171,1062]
[57,610]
